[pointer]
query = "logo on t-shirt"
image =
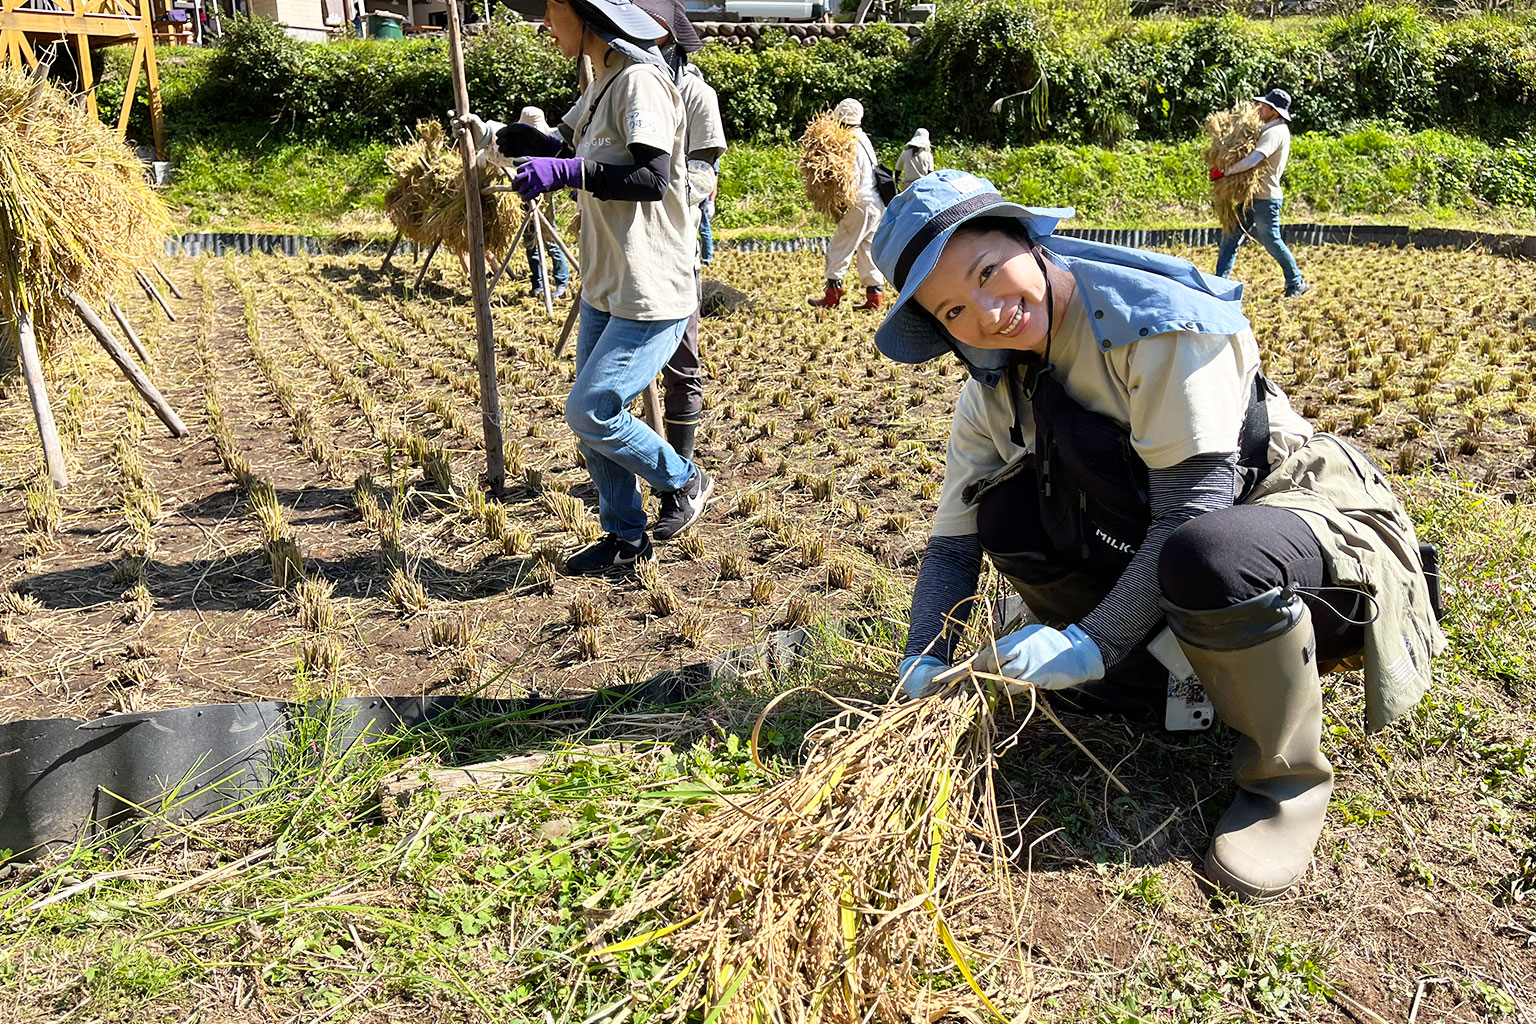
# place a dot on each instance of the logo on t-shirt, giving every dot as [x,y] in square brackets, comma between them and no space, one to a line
[639,123]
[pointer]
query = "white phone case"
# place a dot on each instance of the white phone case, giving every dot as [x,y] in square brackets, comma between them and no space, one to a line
[1188,709]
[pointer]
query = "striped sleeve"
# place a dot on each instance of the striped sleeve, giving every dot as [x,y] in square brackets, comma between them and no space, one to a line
[951,569]
[1129,613]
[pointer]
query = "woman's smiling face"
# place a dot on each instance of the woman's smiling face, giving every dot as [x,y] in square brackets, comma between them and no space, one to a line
[988,291]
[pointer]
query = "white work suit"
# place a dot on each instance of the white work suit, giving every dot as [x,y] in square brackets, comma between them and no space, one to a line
[855,233]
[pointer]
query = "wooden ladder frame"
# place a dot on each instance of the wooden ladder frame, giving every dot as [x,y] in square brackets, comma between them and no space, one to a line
[88,24]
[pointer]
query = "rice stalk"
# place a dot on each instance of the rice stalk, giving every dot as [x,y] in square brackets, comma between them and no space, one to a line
[828,898]
[1233,134]
[75,208]
[829,166]
[426,201]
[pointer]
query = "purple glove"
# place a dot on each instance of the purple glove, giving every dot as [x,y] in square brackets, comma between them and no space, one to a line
[540,174]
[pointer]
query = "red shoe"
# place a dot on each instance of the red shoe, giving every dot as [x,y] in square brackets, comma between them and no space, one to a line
[832,298]
[872,299]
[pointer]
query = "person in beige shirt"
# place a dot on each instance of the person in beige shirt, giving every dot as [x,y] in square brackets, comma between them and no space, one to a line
[621,149]
[916,159]
[1120,458]
[1261,219]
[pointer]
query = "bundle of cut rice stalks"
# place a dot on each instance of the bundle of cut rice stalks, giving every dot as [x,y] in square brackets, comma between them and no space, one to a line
[1233,134]
[829,898]
[426,202]
[76,212]
[829,167]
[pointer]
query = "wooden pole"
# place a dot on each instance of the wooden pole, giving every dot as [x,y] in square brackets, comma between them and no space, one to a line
[511,251]
[425,264]
[128,332]
[168,282]
[549,229]
[383,267]
[570,321]
[125,363]
[474,218]
[538,237]
[154,293]
[653,418]
[42,411]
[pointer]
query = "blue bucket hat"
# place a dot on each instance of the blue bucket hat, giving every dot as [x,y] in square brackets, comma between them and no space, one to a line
[917,225]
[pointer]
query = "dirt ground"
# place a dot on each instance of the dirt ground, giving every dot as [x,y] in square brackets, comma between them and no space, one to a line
[334,416]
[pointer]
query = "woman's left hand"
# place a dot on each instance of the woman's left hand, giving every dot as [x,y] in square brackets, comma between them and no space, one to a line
[1051,659]
[540,174]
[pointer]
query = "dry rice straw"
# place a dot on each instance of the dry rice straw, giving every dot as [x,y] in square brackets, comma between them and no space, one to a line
[829,166]
[75,208]
[426,201]
[1233,134]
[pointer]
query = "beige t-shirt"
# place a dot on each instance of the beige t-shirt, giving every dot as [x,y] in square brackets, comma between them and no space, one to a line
[1181,394]
[1275,144]
[636,258]
[701,104]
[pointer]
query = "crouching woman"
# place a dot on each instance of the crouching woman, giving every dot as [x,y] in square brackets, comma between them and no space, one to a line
[1120,457]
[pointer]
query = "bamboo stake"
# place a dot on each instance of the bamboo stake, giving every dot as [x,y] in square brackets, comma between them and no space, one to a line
[549,229]
[383,267]
[474,217]
[652,410]
[42,411]
[570,321]
[168,282]
[125,363]
[425,264]
[538,237]
[128,332]
[154,293]
[511,251]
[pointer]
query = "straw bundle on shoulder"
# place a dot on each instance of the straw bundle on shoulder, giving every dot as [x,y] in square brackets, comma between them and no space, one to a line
[1233,134]
[75,208]
[829,166]
[825,899]
[426,201]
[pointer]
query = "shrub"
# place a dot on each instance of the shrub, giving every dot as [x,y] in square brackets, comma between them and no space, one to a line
[1389,55]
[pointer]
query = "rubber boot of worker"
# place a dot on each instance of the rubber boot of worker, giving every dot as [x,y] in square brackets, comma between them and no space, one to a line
[1258,663]
[681,437]
[833,296]
[873,296]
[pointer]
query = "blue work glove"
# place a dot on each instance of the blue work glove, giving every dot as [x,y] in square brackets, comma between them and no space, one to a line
[917,671]
[519,139]
[540,174]
[1049,658]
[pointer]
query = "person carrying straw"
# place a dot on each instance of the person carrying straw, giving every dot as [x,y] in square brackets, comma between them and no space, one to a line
[1121,458]
[1260,218]
[621,150]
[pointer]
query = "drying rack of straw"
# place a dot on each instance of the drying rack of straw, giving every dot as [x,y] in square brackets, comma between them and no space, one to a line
[834,896]
[1233,134]
[78,223]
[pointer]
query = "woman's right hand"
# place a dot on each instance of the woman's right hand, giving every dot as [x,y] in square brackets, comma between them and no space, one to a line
[917,671]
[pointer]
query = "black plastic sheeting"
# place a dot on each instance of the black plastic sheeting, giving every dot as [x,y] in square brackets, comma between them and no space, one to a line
[63,780]
[217,243]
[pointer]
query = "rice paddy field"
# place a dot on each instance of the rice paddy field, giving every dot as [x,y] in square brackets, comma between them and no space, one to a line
[322,532]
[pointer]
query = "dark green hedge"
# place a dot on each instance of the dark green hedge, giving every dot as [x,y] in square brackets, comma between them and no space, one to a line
[1146,79]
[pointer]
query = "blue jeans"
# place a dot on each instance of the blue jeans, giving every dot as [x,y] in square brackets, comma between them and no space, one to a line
[559,269]
[615,360]
[706,231]
[1262,221]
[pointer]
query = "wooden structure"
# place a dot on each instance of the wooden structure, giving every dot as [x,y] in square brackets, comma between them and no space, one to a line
[82,25]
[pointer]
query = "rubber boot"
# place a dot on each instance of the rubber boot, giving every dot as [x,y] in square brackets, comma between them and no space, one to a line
[872,298]
[833,296]
[1258,663]
[681,437]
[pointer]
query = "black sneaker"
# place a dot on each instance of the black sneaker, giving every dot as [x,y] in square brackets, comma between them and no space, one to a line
[681,507]
[1300,289]
[611,554]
